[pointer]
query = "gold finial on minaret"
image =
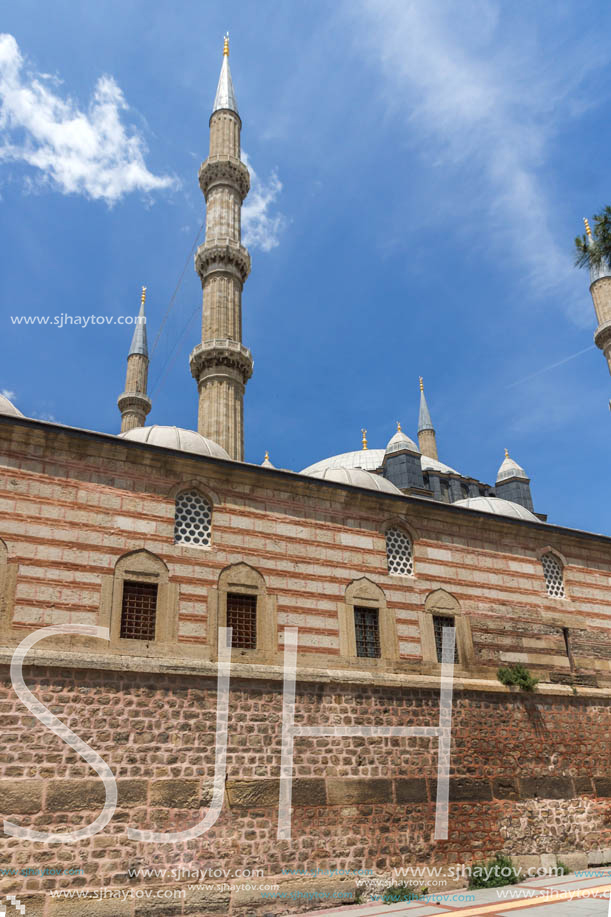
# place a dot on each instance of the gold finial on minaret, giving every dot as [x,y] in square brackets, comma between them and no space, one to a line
[143,297]
[398,426]
[364,432]
[588,230]
[421,384]
[266,459]
[506,453]
[226,45]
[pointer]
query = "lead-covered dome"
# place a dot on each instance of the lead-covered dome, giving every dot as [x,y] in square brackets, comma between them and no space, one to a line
[357,477]
[7,407]
[498,507]
[176,438]
[401,441]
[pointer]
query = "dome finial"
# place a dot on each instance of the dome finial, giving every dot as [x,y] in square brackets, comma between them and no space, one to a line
[506,453]
[226,45]
[421,384]
[364,432]
[398,426]
[588,230]
[266,456]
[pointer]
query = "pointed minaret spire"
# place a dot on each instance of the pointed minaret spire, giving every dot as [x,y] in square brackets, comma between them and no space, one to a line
[134,403]
[221,364]
[225,95]
[426,431]
[600,290]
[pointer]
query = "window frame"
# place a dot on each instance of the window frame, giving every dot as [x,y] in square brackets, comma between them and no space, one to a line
[242,579]
[194,489]
[441,603]
[364,593]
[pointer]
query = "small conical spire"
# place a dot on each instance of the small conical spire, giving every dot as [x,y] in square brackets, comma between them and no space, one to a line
[510,469]
[225,95]
[139,341]
[424,417]
[266,462]
[364,432]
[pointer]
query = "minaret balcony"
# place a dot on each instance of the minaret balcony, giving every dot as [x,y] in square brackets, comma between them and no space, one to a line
[134,401]
[224,170]
[211,355]
[224,256]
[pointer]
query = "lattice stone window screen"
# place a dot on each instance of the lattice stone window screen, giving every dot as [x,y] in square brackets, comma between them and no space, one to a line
[399,552]
[552,571]
[193,520]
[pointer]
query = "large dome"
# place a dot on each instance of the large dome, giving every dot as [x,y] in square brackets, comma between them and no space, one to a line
[370,460]
[7,407]
[176,438]
[357,477]
[498,507]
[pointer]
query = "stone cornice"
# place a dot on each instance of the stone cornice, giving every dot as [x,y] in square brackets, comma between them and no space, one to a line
[274,673]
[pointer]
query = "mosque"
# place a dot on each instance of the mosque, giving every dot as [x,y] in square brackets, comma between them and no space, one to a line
[161,535]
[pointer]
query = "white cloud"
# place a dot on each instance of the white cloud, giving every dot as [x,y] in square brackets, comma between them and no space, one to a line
[477,96]
[261,226]
[77,152]
[7,394]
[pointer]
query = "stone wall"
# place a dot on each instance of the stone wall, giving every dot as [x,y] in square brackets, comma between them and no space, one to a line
[530,775]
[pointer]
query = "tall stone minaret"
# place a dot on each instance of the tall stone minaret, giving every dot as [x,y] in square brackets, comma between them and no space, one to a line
[221,365]
[600,289]
[426,431]
[134,403]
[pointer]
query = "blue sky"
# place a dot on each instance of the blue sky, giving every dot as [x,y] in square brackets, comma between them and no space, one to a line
[421,170]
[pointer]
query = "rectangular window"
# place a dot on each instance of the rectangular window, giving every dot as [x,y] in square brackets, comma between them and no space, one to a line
[242,617]
[139,611]
[440,622]
[367,632]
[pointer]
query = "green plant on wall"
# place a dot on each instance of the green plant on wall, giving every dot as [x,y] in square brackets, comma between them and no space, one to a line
[517,675]
[494,873]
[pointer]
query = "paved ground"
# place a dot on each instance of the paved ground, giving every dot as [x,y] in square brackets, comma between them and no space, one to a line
[567,896]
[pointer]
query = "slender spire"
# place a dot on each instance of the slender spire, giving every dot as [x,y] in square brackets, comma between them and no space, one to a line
[364,432]
[225,95]
[139,341]
[134,403]
[426,431]
[424,417]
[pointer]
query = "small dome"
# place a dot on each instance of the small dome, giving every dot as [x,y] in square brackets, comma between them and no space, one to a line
[510,469]
[176,438]
[498,507]
[266,462]
[356,477]
[399,442]
[7,407]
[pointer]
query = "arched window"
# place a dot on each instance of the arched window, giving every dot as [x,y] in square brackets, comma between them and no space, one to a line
[193,519]
[399,552]
[553,573]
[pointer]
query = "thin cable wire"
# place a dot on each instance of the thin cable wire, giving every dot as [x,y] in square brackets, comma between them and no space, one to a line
[177,288]
[170,362]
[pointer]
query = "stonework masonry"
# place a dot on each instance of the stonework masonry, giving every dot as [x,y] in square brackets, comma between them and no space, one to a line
[81,512]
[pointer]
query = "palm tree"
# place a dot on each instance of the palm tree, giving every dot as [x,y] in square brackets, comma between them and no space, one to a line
[595,246]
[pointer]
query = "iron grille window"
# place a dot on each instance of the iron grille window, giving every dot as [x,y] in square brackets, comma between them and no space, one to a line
[554,579]
[138,611]
[242,617]
[367,631]
[440,622]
